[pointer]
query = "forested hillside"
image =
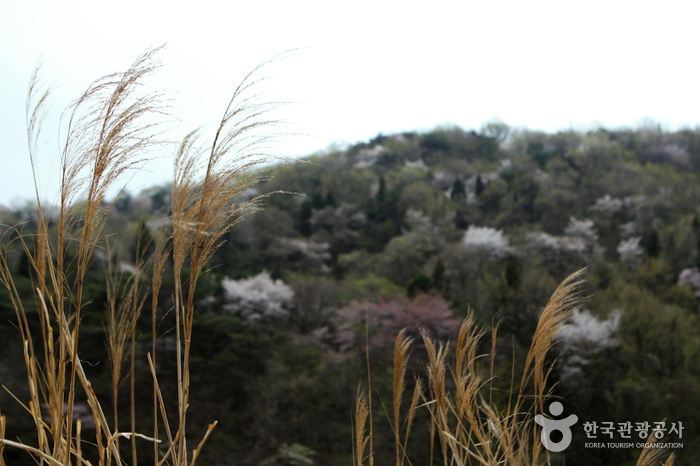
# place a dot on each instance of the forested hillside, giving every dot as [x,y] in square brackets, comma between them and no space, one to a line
[410,231]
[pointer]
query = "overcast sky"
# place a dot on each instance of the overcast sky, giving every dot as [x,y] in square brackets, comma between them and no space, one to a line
[363,68]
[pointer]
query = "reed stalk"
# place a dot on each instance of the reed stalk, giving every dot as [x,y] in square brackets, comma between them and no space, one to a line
[111,129]
[471,428]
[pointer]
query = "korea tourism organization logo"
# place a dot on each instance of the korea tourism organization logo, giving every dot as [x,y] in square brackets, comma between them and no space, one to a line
[549,426]
[606,434]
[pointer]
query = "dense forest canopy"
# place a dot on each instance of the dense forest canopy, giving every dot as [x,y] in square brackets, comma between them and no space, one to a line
[410,231]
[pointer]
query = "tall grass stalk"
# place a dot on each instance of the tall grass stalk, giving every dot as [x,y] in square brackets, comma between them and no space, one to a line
[111,129]
[471,428]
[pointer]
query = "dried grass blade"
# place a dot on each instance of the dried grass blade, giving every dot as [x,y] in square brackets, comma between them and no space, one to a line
[361,417]
[195,453]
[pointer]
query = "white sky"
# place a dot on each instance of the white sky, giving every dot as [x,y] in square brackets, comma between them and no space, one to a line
[365,66]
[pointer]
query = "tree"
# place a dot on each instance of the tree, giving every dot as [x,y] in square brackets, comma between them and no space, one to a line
[479,188]
[258,297]
[458,192]
[387,317]
[405,255]
[419,283]
[496,130]
[381,192]
[437,280]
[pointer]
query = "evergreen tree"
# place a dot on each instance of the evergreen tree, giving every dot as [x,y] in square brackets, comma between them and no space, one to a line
[438,278]
[381,193]
[479,185]
[458,192]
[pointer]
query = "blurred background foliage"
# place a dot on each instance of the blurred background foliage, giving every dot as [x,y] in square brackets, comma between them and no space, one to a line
[411,230]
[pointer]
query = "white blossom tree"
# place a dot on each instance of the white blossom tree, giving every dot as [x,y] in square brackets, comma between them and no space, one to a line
[542,242]
[580,236]
[486,238]
[583,338]
[691,278]
[630,252]
[607,206]
[258,297]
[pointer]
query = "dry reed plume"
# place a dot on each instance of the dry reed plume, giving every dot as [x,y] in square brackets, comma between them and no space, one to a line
[109,130]
[471,428]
